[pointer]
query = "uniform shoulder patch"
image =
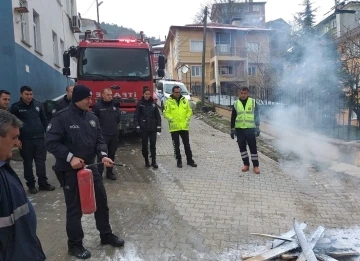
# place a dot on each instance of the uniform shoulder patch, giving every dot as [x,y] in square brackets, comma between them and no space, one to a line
[92,123]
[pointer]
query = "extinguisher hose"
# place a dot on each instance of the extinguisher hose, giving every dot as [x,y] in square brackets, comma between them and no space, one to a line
[115,164]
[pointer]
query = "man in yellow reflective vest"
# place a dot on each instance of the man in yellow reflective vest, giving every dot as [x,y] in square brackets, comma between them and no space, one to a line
[245,123]
[178,113]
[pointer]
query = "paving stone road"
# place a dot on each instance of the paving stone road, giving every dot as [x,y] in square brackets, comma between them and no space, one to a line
[204,213]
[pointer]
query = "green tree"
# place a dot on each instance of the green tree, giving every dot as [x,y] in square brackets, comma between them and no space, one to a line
[306,19]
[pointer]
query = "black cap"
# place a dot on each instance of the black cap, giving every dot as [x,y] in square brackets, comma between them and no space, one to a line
[80,92]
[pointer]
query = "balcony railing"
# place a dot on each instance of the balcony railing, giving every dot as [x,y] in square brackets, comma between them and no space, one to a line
[231,77]
[227,50]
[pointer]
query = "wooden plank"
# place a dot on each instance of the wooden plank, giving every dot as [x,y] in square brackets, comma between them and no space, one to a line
[305,247]
[290,233]
[290,256]
[313,240]
[343,253]
[323,257]
[274,244]
[272,236]
[275,252]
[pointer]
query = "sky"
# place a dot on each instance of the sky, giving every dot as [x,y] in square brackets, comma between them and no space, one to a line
[155,17]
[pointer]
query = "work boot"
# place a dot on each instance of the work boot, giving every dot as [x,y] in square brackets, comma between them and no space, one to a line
[192,164]
[79,252]
[153,163]
[245,168]
[256,170]
[46,187]
[33,190]
[111,239]
[147,163]
[111,176]
[179,164]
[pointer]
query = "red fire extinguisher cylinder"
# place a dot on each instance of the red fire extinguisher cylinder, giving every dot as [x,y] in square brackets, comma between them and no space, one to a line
[86,191]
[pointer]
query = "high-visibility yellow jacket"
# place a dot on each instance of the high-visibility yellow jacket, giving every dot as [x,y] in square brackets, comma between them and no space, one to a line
[245,118]
[177,113]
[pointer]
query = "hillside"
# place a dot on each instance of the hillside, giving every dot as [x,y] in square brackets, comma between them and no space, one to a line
[114,31]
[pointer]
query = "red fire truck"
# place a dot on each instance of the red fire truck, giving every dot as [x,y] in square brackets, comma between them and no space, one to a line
[124,65]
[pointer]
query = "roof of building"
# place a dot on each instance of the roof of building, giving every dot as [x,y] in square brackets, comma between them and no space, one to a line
[212,26]
[340,9]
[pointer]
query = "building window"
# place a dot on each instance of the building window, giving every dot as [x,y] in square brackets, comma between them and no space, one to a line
[55,48]
[226,70]
[196,46]
[333,24]
[253,47]
[196,70]
[256,8]
[24,21]
[252,70]
[62,49]
[36,31]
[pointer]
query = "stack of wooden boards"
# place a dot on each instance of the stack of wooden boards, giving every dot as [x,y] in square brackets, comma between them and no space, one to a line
[294,245]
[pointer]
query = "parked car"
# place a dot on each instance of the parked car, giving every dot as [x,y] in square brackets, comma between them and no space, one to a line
[164,90]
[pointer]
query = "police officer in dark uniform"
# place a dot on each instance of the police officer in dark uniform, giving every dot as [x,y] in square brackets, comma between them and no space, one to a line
[74,138]
[18,240]
[109,117]
[65,101]
[148,120]
[32,141]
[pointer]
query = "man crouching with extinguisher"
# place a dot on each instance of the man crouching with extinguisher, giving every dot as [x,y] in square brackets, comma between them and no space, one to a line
[74,138]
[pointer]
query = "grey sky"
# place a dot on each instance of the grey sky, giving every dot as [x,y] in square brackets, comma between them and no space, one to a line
[154,17]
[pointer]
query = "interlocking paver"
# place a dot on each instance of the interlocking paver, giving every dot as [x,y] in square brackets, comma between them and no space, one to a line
[203,213]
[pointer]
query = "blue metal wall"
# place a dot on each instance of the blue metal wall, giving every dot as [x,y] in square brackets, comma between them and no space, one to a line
[8,79]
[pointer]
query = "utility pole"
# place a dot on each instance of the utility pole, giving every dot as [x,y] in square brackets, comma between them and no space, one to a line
[97,11]
[203,60]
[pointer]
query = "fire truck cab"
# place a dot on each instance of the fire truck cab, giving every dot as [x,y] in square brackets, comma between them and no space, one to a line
[123,65]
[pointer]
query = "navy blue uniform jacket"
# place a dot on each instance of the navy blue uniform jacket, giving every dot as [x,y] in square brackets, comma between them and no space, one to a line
[74,132]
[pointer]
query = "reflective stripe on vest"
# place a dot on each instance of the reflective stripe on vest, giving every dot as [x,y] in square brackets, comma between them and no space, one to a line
[18,213]
[245,117]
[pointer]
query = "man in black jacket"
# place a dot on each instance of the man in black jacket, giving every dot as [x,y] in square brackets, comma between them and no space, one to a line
[32,142]
[109,117]
[18,240]
[65,101]
[74,138]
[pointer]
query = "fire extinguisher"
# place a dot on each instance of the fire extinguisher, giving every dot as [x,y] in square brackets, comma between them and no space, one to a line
[86,188]
[86,191]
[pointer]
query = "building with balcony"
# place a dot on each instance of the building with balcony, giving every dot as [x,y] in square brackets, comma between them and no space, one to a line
[343,18]
[34,36]
[234,57]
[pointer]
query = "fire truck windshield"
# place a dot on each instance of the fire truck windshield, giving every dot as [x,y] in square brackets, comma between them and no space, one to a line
[114,63]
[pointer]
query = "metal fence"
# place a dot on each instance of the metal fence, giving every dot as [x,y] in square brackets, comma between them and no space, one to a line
[319,111]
